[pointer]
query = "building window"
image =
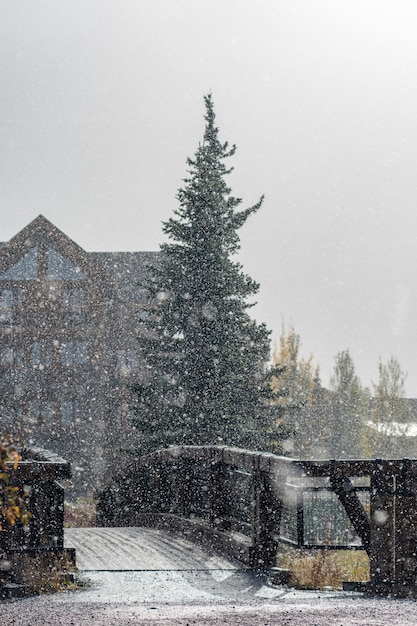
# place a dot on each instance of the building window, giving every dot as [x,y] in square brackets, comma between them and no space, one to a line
[26,268]
[41,354]
[127,360]
[60,268]
[42,412]
[11,301]
[70,411]
[74,353]
[11,356]
[73,304]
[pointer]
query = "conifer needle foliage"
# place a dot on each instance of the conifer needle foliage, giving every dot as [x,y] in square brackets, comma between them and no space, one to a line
[206,357]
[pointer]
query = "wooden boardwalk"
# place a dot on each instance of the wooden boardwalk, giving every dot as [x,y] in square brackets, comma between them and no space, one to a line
[139,549]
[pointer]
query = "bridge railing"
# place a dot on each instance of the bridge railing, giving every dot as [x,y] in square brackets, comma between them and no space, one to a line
[246,503]
[314,518]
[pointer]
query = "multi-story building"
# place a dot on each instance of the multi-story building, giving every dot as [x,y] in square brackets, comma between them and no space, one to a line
[69,323]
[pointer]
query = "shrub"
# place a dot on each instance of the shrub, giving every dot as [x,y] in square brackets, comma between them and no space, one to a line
[318,569]
[46,573]
[12,505]
[80,514]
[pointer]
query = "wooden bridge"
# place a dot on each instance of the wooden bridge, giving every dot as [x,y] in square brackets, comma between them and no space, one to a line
[240,504]
[246,503]
[132,549]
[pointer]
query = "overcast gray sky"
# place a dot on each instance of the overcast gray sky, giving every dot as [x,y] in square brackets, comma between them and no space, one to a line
[101,102]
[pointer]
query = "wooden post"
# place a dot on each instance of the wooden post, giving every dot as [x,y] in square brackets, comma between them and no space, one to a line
[184,472]
[406,525]
[256,550]
[300,516]
[35,508]
[263,550]
[157,485]
[218,497]
[53,515]
[382,529]
[269,518]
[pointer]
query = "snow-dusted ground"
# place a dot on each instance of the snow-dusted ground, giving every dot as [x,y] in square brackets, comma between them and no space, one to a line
[197,588]
[147,549]
[116,599]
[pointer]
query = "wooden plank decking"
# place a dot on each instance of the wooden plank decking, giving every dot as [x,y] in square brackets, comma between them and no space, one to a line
[139,549]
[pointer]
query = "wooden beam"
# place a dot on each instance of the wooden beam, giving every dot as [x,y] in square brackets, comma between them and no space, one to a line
[345,491]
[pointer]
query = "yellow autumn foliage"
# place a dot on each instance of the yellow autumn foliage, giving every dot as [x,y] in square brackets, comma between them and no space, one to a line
[12,506]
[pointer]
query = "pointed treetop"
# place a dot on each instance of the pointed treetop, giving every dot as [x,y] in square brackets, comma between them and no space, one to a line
[211,130]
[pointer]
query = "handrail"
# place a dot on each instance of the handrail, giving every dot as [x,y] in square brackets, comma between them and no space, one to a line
[236,499]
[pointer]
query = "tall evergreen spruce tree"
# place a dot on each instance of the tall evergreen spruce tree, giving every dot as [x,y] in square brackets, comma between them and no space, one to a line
[205,356]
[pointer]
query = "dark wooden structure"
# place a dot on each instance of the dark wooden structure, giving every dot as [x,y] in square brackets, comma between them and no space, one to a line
[37,474]
[245,503]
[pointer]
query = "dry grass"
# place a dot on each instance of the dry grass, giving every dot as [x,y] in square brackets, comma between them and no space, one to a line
[80,514]
[47,574]
[319,569]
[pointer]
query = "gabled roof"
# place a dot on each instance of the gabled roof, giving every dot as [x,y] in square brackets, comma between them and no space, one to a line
[123,271]
[37,230]
[41,234]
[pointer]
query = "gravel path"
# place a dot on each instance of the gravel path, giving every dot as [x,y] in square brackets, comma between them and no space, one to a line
[286,609]
[190,586]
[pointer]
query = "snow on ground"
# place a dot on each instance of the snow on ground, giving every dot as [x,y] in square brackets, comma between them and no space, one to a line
[176,583]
